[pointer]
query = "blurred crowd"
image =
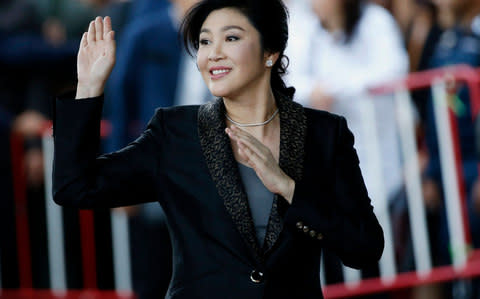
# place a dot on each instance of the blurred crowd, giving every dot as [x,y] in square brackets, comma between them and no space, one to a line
[338,50]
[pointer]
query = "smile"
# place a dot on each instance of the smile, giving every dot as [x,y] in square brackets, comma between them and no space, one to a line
[217,73]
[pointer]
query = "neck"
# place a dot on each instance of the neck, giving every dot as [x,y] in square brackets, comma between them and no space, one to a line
[254,107]
[335,23]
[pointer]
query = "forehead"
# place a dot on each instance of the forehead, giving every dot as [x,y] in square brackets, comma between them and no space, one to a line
[226,17]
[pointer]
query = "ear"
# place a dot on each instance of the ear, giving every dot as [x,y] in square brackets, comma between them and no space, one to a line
[273,57]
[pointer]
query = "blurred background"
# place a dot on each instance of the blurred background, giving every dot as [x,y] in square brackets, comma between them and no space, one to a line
[388,66]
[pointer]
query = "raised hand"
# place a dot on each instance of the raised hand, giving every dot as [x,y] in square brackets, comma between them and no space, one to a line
[260,158]
[96,58]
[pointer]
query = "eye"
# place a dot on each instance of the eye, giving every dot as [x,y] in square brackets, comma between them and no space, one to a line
[204,42]
[232,38]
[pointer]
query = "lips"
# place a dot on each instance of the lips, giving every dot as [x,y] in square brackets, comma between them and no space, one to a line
[219,72]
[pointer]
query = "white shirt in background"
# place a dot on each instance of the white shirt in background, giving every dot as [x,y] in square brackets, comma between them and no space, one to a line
[374,55]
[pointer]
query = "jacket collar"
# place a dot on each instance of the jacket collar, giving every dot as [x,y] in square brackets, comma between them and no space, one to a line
[224,170]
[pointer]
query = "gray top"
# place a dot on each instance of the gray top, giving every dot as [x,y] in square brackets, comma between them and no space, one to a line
[260,200]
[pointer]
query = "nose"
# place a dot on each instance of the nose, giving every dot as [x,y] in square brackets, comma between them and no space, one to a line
[216,52]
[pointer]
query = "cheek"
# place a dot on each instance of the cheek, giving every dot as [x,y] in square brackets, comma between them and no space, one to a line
[246,55]
[202,62]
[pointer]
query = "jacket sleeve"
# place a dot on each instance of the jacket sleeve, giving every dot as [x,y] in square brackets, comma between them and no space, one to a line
[82,178]
[346,224]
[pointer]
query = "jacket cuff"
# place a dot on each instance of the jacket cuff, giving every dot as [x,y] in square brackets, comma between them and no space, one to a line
[65,105]
[76,127]
[306,218]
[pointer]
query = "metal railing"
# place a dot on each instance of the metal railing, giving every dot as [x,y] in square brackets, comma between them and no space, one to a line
[466,262]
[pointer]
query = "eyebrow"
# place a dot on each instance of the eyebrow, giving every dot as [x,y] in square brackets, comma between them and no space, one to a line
[206,30]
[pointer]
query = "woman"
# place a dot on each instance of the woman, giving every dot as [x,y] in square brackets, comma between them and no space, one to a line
[196,160]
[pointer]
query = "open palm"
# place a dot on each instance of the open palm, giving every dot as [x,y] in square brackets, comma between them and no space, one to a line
[96,55]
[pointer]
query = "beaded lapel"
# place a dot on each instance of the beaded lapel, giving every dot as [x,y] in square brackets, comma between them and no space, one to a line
[224,170]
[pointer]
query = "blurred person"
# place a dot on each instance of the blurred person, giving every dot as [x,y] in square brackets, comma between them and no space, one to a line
[120,11]
[144,7]
[238,177]
[38,43]
[24,114]
[349,47]
[64,19]
[457,44]
[152,71]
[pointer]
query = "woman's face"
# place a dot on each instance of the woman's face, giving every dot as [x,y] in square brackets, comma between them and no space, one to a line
[230,56]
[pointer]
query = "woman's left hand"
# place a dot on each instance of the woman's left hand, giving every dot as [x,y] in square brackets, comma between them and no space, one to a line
[260,158]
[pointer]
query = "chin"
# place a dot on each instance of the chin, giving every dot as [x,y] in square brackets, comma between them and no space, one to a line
[218,91]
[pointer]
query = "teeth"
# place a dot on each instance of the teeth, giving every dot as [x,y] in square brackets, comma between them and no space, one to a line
[217,72]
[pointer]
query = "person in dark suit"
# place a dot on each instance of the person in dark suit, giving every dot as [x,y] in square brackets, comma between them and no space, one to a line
[253,185]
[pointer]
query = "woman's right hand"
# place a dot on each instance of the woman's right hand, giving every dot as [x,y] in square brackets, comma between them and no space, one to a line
[96,58]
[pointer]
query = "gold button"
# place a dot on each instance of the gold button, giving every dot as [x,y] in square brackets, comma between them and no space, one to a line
[305,229]
[319,236]
[299,224]
[312,233]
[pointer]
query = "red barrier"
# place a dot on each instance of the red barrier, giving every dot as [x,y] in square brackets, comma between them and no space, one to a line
[405,280]
[421,80]
[414,81]
[86,219]
[74,294]
[21,211]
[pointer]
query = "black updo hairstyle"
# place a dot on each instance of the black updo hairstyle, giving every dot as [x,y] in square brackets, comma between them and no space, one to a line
[270,19]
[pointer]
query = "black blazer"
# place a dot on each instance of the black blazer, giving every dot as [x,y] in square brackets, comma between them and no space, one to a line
[185,162]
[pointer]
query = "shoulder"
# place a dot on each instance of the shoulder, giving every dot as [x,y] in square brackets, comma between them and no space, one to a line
[323,125]
[378,23]
[322,118]
[173,120]
[176,113]
[378,27]
[376,12]
[376,15]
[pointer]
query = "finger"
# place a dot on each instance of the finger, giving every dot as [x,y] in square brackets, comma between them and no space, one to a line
[91,32]
[242,134]
[254,160]
[252,143]
[84,42]
[98,29]
[107,27]
[244,156]
[111,36]
[247,136]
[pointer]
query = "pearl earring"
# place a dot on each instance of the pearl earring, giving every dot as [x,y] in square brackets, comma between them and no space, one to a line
[269,63]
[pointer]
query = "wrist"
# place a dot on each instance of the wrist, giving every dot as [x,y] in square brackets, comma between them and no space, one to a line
[88,91]
[289,190]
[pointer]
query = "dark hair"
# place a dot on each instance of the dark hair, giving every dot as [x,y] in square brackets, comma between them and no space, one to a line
[270,19]
[353,12]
